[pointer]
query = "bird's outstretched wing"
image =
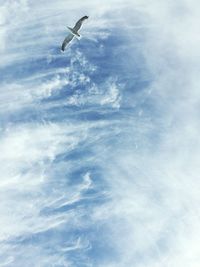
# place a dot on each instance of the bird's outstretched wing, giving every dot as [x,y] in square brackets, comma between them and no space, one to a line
[79,23]
[66,41]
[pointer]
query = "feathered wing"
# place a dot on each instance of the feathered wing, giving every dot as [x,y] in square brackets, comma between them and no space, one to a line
[66,41]
[79,23]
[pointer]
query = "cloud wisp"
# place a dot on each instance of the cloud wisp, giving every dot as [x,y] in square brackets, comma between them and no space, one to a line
[99,146]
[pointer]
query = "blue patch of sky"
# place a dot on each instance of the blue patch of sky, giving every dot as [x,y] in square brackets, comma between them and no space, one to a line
[110,62]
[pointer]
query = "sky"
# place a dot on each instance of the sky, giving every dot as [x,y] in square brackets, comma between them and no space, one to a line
[99,162]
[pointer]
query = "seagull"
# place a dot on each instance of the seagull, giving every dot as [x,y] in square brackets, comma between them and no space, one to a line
[73,32]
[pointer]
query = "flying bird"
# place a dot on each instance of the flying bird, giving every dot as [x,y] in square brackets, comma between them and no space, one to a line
[73,32]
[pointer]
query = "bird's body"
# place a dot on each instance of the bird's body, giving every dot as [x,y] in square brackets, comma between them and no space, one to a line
[73,32]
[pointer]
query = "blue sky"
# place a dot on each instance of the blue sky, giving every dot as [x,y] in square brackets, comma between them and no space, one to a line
[99,145]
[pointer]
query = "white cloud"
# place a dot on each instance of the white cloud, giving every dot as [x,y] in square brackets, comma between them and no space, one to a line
[107,94]
[151,168]
[29,185]
[156,186]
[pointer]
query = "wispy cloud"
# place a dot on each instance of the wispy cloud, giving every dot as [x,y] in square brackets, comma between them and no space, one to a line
[99,146]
